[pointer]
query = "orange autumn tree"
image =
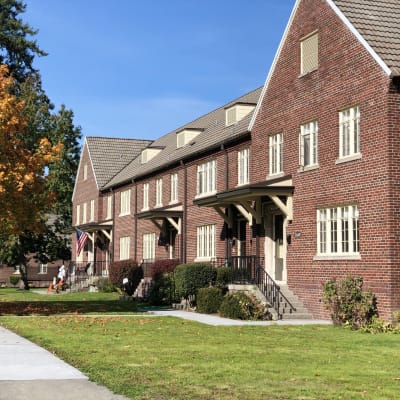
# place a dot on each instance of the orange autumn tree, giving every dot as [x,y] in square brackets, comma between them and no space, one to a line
[23,198]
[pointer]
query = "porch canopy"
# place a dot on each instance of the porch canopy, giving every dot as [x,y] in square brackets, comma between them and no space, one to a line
[91,228]
[158,216]
[247,199]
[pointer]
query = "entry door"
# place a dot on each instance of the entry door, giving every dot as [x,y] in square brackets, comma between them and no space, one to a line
[171,249]
[279,247]
[241,238]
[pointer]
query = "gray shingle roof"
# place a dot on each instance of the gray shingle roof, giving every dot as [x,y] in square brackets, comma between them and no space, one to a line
[378,22]
[110,155]
[214,133]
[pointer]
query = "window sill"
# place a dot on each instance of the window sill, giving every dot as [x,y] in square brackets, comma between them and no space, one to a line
[172,202]
[208,194]
[242,184]
[349,158]
[204,259]
[124,215]
[332,257]
[274,176]
[145,209]
[308,168]
[308,72]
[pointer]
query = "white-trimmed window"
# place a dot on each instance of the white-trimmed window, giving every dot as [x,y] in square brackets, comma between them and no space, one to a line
[309,144]
[91,210]
[124,247]
[243,166]
[206,178]
[145,196]
[206,241]
[159,192]
[349,132]
[85,169]
[309,53]
[276,154]
[125,202]
[338,231]
[149,249]
[84,213]
[109,207]
[42,268]
[174,188]
[78,214]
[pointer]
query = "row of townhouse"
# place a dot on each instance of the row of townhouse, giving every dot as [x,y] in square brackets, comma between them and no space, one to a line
[302,174]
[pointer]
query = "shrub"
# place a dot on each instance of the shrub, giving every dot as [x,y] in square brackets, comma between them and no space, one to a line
[162,289]
[161,266]
[348,303]
[189,278]
[241,306]
[14,279]
[125,269]
[209,300]
[224,276]
[104,285]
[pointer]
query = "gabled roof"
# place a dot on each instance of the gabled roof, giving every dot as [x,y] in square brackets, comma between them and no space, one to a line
[109,155]
[214,134]
[377,21]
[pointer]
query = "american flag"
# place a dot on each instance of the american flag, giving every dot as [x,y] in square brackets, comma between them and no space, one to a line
[81,238]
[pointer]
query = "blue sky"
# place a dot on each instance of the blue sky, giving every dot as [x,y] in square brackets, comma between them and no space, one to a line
[139,69]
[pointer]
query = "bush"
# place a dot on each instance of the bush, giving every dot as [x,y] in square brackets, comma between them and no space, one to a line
[348,303]
[224,277]
[162,266]
[162,289]
[189,278]
[104,285]
[241,306]
[126,269]
[209,300]
[14,279]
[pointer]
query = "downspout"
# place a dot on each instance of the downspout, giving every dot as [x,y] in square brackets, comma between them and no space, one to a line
[184,217]
[227,240]
[113,231]
[135,222]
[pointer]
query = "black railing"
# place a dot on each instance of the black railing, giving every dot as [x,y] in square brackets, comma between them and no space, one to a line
[80,274]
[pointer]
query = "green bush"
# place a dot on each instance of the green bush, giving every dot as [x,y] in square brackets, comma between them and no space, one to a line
[209,300]
[348,303]
[241,306]
[224,276]
[162,289]
[104,285]
[160,266]
[125,269]
[189,278]
[14,279]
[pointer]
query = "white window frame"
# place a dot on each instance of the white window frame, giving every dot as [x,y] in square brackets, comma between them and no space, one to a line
[243,166]
[124,247]
[159,192]
[125,202]
[308,143]
[85,172]
[84,213]
[174,188]
[309,53]
[349,132]
[109,207]
[276,154]
[146,189]
[206,242]
[91,211]
[149,246]
[206,178]
[338,231]
[78,214]
[43,268]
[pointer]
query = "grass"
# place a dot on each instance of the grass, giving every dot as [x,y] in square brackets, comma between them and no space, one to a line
[166,358]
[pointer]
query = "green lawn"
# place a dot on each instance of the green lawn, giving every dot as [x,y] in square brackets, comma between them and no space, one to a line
[168,358]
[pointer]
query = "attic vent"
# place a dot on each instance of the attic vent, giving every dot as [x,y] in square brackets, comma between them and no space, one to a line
[237,112]
[309,53]
[148,154]
[186,136]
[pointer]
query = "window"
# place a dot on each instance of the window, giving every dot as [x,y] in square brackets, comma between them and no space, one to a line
[91,210]
[206,241]
[85,172]
[125,202]
[309,144]
[206,179]
[159,192]
[186,136]
[124,244]
[276,154]
[43,268]
[78,214]
[84,214]
[338,231]
[349,132]
[149,240]
[109,207]
[145,196]
[309,53]
[243,167]
[174,188]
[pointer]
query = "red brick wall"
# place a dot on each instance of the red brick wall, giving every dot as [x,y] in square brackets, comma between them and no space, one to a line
[347,75]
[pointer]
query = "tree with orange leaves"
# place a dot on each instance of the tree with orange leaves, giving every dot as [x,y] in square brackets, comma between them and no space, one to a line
[23,198]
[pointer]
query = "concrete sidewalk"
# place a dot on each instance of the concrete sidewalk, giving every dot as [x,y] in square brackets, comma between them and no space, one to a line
[28,372]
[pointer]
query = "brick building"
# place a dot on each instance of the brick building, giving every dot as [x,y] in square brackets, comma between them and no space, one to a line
[301,177]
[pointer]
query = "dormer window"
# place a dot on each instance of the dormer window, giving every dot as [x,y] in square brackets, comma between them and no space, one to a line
[237,112]
[149,153]
[186,136]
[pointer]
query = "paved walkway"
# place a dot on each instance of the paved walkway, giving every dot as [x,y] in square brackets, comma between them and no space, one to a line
[28,372]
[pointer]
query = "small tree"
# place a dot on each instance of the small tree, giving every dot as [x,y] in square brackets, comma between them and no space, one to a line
[120,270]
